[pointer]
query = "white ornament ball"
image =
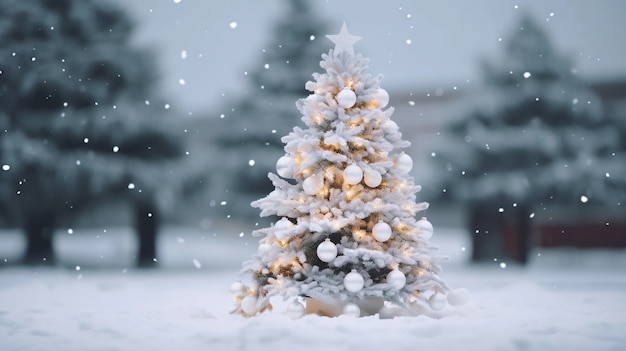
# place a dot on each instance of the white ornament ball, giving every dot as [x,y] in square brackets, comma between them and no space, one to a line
[236,287]
[458,297]
[283,167]
[327,251]
[295,310]
[425,228]
[391,126]
[437,301]
[353,174]
[346,98]
[382,97]
[372,179]
[313,184]
[281,228]
[248,304]
[404,163]
[353,281]
[381,231]
[396,279]
[263,249]
[351,310]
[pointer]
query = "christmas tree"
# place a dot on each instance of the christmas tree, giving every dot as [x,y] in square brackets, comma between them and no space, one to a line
[348,240]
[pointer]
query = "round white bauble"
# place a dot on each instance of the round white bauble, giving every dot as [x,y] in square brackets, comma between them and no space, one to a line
[346,98]
[458,297]
[313,184]
[351,310]
[281,228]
[353,281]
[437,301]
[381,231]
[391,126]
[327,251]
[353,174]
[248,304]
[236,287]
[425,228]
[404,163]
[396,279]
[283,167]
[372,178]
[295,310]
[382,97]
[263,249]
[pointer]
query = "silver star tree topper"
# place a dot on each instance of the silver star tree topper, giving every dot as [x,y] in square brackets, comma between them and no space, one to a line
[344,40]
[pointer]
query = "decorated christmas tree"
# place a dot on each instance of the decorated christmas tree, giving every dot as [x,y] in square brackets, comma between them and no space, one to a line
[349,241]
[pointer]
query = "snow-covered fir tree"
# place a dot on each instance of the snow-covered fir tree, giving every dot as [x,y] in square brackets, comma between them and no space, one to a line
[536,137]
[249,141]
[349,239]
[80,122]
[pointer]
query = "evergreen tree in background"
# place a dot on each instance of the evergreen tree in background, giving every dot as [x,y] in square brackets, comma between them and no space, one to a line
[79,121]
[348,239]
[536,137]
[249,142]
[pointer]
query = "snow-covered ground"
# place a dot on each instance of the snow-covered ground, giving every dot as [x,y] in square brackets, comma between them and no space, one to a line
[564,300]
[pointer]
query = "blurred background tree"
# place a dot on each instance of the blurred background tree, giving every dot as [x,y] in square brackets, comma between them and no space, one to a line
[248,140]
[80,123]
[536,136]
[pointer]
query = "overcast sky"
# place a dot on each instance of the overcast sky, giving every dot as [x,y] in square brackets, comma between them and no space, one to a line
[414,44]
